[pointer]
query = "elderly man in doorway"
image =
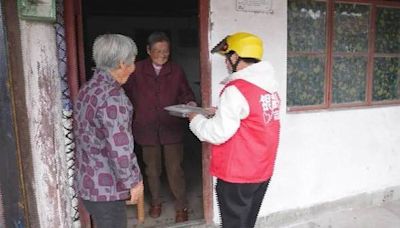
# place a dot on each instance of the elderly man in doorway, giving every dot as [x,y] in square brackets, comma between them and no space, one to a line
[158,82]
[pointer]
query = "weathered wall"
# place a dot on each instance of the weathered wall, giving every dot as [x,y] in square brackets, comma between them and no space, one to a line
[44,110]
[324,156]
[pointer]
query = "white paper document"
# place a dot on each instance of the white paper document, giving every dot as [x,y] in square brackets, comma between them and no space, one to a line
[183,110]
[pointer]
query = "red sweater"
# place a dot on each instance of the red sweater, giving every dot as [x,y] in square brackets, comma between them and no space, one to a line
[149,94]
[249,155]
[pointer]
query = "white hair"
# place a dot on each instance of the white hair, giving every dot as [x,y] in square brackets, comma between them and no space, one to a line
[109,50]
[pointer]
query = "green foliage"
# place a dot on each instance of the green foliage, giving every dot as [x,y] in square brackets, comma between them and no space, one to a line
[305,81]
[306,33]
[351,28]
[386,83]
[306,30]
[388,31]
[349,79]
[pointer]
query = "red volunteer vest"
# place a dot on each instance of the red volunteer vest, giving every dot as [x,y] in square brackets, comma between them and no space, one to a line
[249,155]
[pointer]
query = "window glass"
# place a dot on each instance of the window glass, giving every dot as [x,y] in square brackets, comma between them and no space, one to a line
[307,25]
[306,58]
[359,64]
[386,83]
[351,23]
[349,79]
[387,30]
[305,81]
[351,28]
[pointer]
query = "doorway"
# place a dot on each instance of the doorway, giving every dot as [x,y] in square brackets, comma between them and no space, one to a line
[180,20]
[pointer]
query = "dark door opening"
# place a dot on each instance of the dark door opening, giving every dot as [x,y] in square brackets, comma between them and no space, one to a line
[137,19]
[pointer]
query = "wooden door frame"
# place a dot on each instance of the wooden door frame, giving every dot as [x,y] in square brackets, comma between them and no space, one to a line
[76,76]
[205,87]
[75,67]
[20,168]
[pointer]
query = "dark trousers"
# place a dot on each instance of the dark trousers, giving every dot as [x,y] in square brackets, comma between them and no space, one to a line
[107,214]
[173,156]
[239,204]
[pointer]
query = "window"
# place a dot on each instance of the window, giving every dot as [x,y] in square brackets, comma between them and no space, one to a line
[343,53]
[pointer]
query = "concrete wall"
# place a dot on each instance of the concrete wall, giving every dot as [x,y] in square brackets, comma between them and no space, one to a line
[324,156]
[43,96]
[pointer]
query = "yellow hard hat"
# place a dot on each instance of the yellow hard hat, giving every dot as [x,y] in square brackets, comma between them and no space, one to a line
[246,45]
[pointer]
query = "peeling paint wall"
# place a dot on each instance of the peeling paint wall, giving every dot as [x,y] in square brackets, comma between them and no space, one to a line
[44,111]
[324,156]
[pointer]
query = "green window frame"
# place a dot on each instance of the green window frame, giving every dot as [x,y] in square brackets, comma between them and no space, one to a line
[343,54]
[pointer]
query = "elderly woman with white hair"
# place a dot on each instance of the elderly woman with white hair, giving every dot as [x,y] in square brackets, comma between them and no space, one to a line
[107,172]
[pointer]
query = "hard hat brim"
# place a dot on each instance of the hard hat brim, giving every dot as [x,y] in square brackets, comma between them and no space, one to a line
[221,47]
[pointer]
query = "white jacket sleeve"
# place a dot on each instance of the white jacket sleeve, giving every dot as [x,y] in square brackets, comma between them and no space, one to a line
[232,108]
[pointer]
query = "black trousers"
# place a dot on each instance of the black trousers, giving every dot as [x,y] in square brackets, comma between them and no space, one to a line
[239,204]
[107,214]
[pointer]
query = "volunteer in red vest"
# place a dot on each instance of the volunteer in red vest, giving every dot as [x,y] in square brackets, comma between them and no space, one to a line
[243,131]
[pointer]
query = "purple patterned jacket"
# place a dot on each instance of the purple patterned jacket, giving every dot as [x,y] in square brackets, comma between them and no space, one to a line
[106,164]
